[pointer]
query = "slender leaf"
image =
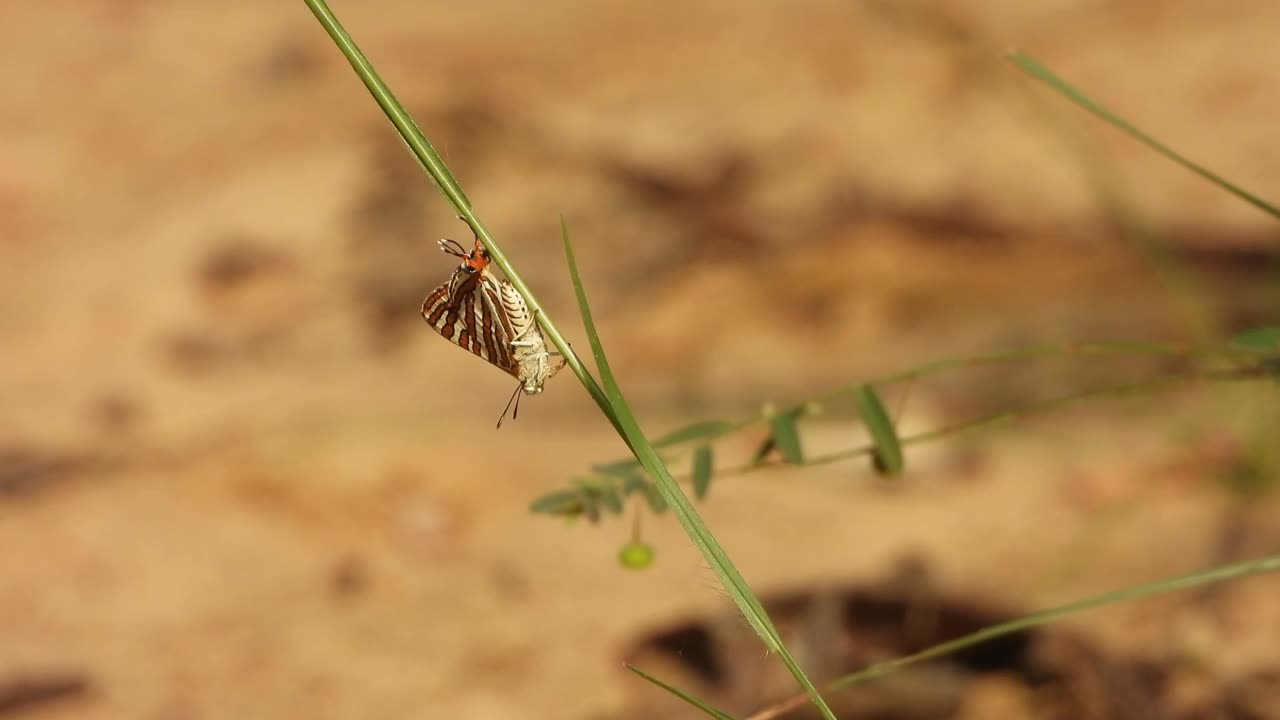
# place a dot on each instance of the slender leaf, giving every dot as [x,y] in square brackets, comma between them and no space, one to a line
[610,499]
[638,482]
[782,426]
[702,464]
[1038,71]
[598,493]
[704,707]
[561,502]
[887,452]
[717,559]
[622,469]
[696,431]
[635,482]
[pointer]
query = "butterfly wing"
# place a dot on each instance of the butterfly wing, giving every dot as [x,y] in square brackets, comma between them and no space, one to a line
[528,346]
[467,311]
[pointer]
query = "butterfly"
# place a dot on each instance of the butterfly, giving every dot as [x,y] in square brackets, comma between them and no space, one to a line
[476,312]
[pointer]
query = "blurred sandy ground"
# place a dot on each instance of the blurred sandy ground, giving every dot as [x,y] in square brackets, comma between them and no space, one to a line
[262,489]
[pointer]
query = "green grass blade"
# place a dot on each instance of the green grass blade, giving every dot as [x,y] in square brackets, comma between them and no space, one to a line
[887,455]
[1038,71]
[421,149]
[1219,574]
[702,464]
[704,707]
[729,577]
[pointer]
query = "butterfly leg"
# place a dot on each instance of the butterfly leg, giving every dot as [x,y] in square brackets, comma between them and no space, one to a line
[559,366]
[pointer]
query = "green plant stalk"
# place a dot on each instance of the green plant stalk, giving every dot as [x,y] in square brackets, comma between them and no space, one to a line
[1190,301]
[1216,575]
[679,503]
[1047,351]
[695,702]
[430,160]
[1038,71]
[1036,408]
[986,420]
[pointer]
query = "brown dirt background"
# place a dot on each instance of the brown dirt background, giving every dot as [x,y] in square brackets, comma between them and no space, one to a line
[265,490]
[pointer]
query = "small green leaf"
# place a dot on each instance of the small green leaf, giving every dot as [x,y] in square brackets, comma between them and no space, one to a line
[636,555]
[783,429]
[886,458]
[1262,339]
[710,711]
[621,469]
[633,483]
[654,496]
[610,499]
[696,431]
[597,493]
[561,502]
[637,482]
[702,463]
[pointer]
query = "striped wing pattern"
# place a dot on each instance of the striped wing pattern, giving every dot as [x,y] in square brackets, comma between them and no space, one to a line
[529,347]
[490,318]
[467,311]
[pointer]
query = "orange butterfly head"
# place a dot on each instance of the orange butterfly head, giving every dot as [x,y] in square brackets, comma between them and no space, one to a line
[474,260]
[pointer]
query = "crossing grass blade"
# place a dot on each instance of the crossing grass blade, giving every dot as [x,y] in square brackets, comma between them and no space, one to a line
[886,455]
[1038,71]
[716,558]
[1219,574]
[1216,575]
[695,702]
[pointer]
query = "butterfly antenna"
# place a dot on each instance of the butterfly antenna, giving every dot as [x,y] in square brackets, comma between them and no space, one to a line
[515,398]
[452,248]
